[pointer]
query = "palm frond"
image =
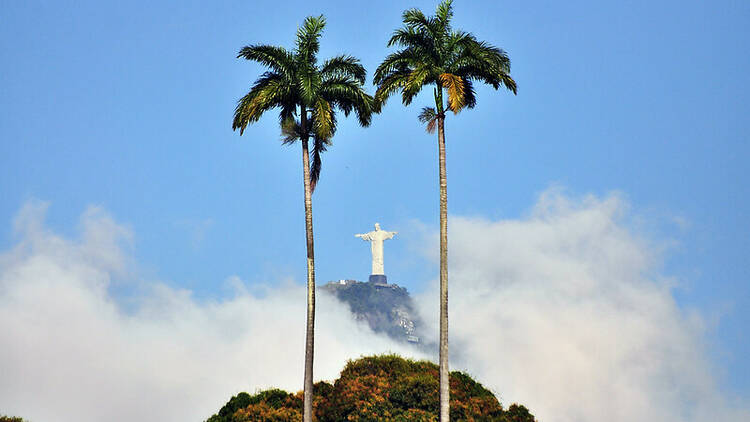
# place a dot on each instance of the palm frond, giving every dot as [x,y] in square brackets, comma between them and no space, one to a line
[288,110]
[364,108]
[489,53]
[455,86]
[444,14]
[411,38]
[389,86]
[323,119]
[488,74]
[320,145]
[417,44]
[509,83]
[308,83]
[291,131]
[458,39]
[276,58]
[470,95]
[340,92]
[429,117]
[398,62]
[482,61]
[308,38]
[414,18]
[418,78]
[348,96]
[268,92]
[343,66]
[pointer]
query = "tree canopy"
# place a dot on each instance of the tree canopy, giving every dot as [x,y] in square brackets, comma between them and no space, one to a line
[433,53]
[377,388]
[297,85]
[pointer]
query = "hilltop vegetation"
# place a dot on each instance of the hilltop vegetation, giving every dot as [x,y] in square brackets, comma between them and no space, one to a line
[378,388]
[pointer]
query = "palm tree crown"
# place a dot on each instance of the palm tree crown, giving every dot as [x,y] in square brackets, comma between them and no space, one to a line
[434,53]
[297,86]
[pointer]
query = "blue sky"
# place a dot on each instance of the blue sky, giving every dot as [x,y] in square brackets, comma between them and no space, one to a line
[129,107]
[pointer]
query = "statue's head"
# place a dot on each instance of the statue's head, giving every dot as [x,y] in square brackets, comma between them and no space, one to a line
[377,226]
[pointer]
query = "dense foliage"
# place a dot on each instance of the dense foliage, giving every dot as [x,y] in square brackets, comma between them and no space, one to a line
[299,86]
[11,419]
[379,388]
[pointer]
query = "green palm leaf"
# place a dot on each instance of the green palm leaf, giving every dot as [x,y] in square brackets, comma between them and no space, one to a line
[429,117]
[276,58]
[343,66]
[308,38]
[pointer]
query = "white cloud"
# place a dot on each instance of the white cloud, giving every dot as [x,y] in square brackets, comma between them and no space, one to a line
[565,311]
[71,353]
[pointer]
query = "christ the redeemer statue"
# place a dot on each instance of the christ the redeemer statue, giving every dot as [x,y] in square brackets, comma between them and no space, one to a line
[376,238]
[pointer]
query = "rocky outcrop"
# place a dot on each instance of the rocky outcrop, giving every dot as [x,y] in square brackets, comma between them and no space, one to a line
[387,308]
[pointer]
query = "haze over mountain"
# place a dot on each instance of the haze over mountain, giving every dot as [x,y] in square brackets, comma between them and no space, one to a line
[387,308]
[573,288]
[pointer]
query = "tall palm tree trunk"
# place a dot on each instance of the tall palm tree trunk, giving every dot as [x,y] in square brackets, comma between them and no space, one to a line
[310,335]
[444,370]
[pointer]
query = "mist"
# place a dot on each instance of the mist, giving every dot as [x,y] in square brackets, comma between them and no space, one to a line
[565,310]
[73,352]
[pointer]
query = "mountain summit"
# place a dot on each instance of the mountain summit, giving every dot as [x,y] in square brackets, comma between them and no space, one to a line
[387,308]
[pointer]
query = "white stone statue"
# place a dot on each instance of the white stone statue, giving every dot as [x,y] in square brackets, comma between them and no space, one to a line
[376,238]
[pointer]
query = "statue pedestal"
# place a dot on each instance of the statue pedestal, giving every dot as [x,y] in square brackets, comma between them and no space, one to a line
[378,279]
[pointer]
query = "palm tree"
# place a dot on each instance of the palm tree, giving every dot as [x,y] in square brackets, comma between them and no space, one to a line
[297,86]
[433,53]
